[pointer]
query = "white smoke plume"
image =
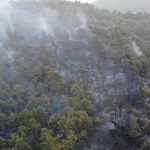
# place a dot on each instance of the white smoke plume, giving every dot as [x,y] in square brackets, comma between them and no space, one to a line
[136,49]
[32,18]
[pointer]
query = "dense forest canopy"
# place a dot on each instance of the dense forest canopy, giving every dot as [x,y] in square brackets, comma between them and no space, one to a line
[73,77]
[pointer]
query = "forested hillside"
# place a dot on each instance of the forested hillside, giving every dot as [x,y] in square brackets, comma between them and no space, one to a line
[73,77]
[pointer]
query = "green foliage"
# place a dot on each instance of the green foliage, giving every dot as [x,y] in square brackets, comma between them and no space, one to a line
[42,110]
[35,115]
[2,142]
[135,128]
[147,91]
[22,145]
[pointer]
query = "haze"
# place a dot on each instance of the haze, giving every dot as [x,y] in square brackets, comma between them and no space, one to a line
[83,1]
[123,6]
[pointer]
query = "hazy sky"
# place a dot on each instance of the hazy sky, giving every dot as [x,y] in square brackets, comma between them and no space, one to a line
[120,5]
[83,1]
[124,5]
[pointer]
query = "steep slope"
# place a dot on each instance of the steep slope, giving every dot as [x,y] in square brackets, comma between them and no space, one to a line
[91,46]
[61,59]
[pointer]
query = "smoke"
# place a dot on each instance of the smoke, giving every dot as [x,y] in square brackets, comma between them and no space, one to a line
[136,49]
[34,19]
[28,18]
[6,10]
[29,24]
